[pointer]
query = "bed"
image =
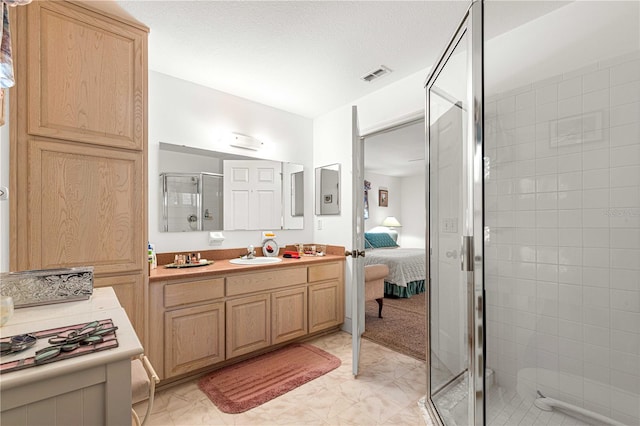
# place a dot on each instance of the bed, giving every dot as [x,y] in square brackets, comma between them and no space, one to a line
[407,266]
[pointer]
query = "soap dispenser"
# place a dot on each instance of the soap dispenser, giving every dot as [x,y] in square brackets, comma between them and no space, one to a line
[151,255]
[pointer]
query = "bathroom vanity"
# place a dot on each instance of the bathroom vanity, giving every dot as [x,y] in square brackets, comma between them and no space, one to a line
[211,316]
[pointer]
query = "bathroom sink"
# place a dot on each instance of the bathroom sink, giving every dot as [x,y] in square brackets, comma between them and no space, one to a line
[256,261]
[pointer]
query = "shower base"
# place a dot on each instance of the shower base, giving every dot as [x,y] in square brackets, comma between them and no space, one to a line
[503,408]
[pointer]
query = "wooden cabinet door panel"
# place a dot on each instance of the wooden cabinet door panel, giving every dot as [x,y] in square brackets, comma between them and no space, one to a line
[86,74]
[288,314]
[84,207]
[130,292]
[194,338]
[248,324]
[325,307]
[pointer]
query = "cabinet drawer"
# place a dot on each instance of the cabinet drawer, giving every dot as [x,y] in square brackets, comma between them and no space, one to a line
[327,271]
[185,292]
[265,281]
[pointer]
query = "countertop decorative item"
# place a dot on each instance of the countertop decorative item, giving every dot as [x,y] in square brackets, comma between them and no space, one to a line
[189,265]
[42,287]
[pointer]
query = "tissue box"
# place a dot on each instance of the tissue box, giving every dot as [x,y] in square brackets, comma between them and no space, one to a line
[45,286]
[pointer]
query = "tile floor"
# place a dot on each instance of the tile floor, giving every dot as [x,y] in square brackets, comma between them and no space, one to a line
[385,393]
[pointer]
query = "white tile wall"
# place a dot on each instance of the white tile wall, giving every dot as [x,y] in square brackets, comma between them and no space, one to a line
[563,261]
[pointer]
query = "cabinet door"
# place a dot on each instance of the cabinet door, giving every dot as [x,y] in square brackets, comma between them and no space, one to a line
[248,324]
[86,76]
[194,338]
[288,314]
[325,306]
[84,208]
[130,292]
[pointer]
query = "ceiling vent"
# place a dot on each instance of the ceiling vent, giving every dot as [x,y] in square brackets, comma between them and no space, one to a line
[375,74]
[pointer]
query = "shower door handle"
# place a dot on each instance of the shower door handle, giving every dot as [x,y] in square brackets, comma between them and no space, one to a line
[466,253]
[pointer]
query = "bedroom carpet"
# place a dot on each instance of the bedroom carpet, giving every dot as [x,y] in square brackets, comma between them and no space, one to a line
[403,326]
[246,385]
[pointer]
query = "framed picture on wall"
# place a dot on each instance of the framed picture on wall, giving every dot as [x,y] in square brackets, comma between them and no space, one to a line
[383,198]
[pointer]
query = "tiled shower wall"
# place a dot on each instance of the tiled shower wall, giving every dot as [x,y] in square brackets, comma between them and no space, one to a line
[562,203]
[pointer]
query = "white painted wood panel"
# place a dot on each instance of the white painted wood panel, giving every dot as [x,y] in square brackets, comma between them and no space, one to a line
[253,186]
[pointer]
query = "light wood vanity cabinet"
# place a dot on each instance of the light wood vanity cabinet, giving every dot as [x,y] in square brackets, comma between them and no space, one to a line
[187,325]
[79,146]
[196,323]
[248,324]
[194,338]
[326,296]
[289,314]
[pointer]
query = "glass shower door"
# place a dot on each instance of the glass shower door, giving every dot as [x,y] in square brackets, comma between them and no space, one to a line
[455,293]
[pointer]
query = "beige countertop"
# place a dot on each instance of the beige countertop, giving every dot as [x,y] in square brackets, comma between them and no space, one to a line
[103,304]
[224,267]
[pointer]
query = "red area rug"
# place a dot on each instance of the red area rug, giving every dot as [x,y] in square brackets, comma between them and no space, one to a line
[246,385]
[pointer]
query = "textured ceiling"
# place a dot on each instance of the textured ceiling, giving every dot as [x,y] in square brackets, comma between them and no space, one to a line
[305,57]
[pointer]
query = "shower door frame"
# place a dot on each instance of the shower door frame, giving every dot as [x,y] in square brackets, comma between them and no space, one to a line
[473,181]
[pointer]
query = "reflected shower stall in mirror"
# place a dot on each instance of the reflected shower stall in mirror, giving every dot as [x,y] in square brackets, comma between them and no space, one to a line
[205,190]
[328,189]
[192,202]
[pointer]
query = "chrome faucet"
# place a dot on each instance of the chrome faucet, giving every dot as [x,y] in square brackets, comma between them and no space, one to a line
[251,253]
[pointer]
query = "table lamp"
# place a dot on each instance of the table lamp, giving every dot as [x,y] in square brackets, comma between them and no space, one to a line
[391,222]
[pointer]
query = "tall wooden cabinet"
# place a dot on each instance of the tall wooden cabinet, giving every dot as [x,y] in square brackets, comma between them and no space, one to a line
[79,146]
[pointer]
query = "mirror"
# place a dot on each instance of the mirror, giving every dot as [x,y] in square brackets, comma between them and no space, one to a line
[297,194]
[328,189]
[204,190]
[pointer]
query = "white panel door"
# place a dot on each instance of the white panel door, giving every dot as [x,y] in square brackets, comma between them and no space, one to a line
[357,265]
[252,194]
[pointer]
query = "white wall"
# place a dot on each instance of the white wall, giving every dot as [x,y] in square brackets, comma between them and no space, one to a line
[406,203]
[378,213]
[185,113]
[413,216]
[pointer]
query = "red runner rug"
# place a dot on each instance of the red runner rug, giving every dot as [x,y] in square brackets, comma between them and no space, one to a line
[253,382]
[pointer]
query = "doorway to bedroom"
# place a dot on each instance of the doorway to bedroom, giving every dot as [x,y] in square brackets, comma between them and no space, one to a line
[395,229]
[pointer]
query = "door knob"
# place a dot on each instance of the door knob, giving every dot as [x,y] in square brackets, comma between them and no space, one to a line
[354,253]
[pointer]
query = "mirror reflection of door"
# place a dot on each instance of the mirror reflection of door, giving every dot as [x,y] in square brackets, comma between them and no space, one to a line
[447,317]
[252,194]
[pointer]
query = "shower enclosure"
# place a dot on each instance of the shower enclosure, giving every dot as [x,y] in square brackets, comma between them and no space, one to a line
[191,201]
[534,216]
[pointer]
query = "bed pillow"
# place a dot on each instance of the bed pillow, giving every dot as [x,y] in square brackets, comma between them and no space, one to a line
[379,240]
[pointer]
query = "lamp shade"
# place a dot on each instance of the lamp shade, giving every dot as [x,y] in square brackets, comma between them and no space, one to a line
[391,221]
